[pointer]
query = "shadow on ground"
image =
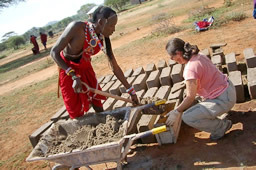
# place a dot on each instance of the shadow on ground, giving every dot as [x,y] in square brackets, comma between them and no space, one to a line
[22,61]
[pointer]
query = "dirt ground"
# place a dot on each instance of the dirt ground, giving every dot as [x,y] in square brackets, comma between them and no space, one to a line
[193,150]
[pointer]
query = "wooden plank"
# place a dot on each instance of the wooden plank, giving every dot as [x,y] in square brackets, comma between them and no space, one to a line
[58,114]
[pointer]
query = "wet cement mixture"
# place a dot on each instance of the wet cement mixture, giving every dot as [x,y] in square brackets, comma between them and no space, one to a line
[85,137]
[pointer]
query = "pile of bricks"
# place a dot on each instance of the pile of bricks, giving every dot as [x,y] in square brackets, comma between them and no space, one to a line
[153,81]
[243,77]
[163,81]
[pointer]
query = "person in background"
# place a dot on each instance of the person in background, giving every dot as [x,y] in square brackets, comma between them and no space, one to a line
[204,79]
[35,49]
[50,33]
[43,38]
[72,53]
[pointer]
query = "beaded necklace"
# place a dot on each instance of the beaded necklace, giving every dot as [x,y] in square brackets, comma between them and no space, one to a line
[94,39]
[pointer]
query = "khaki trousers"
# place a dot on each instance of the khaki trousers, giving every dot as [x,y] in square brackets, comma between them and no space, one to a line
[204,115]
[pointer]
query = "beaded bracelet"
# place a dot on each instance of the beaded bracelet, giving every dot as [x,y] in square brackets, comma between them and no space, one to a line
[131,91]
[70,71]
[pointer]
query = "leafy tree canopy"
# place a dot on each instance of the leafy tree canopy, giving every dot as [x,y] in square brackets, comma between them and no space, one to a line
[85,8]
[117,4]
[15,42]
[9,34]
[7,3]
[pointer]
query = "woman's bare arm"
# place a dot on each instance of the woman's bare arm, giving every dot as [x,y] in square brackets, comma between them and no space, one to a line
[191,86]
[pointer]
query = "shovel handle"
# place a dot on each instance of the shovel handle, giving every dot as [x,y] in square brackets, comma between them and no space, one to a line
[106,94]
[150,132]
[159,129]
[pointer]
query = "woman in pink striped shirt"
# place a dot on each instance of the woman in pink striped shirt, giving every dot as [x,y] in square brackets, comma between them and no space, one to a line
[205,80]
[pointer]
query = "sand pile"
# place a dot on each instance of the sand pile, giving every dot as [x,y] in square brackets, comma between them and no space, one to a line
[85,137]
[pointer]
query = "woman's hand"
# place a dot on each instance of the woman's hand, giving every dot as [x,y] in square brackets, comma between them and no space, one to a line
[172,116]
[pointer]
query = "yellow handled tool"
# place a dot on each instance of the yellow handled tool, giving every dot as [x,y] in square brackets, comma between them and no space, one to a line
[150,132]
[131,138]
[159,102]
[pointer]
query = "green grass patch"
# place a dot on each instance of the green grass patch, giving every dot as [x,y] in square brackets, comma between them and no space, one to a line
[202,13]
[228,3]
[236,16]
[165,25]
[19,73]
[17,105]
[2,56]
[221,15]
[21,61]
[11,51]
[22,105]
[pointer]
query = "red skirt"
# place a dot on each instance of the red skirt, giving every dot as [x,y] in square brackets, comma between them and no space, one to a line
[78,103]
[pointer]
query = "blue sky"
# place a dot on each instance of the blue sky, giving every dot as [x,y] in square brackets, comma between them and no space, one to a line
[37,13]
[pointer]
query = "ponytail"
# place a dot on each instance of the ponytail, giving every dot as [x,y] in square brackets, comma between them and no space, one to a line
[177,44]
[189,51]
[108,48]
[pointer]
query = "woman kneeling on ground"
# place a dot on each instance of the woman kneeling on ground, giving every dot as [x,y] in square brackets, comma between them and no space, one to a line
[203,79]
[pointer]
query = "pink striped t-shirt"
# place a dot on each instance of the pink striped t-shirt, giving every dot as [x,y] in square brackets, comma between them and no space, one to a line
[211,83]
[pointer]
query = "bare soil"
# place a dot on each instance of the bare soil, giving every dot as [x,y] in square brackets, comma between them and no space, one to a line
[193,150]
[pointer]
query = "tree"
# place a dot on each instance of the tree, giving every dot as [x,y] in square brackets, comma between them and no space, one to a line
[32,31]
[85,8]
[117,4]
[82,12]
[48,27]
[7,3]
[15,42]
[3,46]
[41,30]
[8,35]
[65,22]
